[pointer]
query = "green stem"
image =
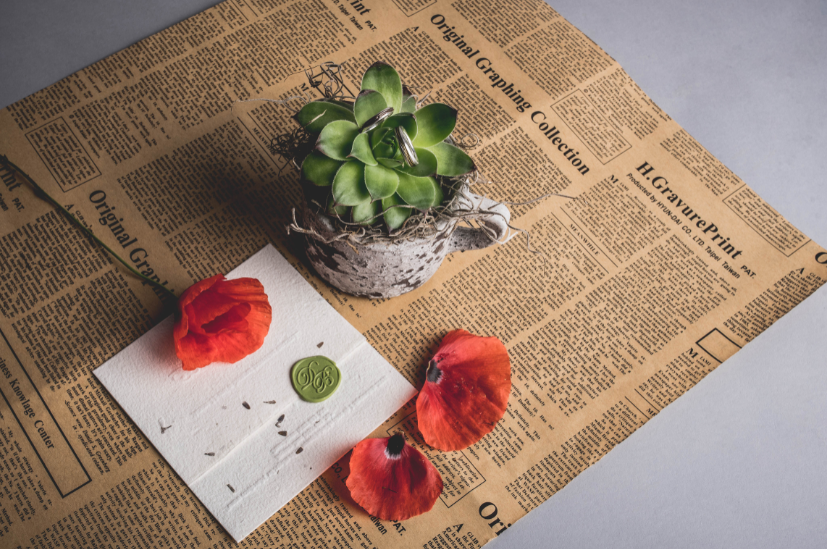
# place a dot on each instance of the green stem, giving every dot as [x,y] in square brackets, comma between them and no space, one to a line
[38,190]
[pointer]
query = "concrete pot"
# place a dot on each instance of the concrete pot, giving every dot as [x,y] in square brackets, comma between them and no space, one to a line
[390,269]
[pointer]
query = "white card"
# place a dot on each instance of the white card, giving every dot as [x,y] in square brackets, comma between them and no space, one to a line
[233,458]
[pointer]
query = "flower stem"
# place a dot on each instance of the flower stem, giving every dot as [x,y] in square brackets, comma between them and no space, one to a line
[40,193]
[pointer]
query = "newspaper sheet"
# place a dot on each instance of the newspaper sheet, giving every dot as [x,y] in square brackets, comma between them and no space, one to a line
[664,266]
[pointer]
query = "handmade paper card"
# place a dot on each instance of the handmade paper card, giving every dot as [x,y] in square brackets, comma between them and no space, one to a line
[240,435]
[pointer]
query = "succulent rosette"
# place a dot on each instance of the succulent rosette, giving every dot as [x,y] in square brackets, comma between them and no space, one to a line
[380,156]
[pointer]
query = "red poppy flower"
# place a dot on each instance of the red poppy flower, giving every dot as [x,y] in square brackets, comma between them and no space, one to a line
[392,480]
[466,390]
[220,320]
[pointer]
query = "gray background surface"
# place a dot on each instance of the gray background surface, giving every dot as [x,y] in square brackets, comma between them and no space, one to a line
[739,461]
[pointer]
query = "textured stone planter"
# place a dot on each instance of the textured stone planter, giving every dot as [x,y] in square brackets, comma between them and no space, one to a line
[391,269]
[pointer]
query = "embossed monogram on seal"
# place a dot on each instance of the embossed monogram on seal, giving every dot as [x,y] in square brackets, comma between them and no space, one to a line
[315,378]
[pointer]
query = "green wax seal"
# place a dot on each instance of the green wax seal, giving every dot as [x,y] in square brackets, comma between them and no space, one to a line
[315,378]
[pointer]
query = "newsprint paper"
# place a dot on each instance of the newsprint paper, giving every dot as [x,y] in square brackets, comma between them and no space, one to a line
[662,267]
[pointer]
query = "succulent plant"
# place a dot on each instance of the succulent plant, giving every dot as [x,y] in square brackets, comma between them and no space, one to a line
[380,152]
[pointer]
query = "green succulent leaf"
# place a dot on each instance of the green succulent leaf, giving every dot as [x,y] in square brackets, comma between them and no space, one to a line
[386,148]
[380,181]
[382,143]
[379,135]
[451,161]
[438,194]
[318,114]
[345,104]
[408,100]
[361,150]
[349,184]
[406,120]
[395,217]
[336,139]
[319,169]
[391,163]
[419,192]
[427,164]
[334,210]
[383,78]
[368,104]
[435,122]
[368,213]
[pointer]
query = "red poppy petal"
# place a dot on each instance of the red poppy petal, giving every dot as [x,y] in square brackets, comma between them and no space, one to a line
[232,346]
[195,351]
[195,290]
[242,289]
[391,479]
[234,319]
[181,326]
[181,321]
[207,307]
[221,322]
[466,391]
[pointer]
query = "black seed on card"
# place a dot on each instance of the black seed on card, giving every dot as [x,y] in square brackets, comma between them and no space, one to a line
[320,345]
[211,454]
[231,488]
[163,429]
[300,450]
[245,405]
[283,433]
[280,419]
[269,402]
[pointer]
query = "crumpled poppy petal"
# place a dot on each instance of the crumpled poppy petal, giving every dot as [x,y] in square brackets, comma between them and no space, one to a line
[196,289]
[466,391]
[196,351]
[221,320]
[234,319]
[392,480]
[181,321]
[205,308]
